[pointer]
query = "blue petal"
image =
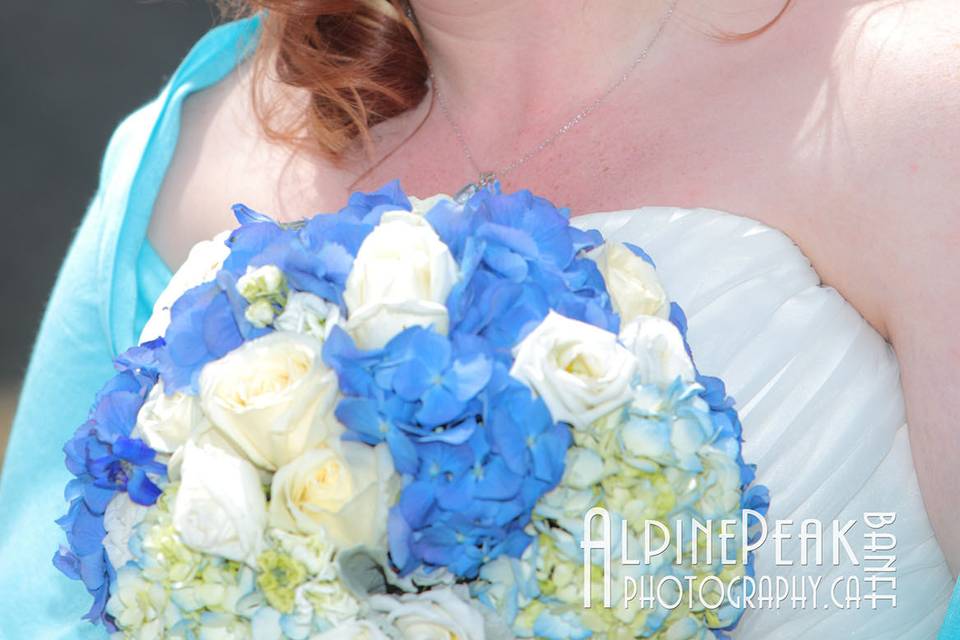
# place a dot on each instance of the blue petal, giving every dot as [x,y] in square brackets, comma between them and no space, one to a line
[245,215]
[133,450]
[637,251]
[405,457]
[93,569]
[498,481]
[415,502]
[467,377]
[67,563]
[360,415]
[439,407]
[141,488]
[411,379]
[398,534]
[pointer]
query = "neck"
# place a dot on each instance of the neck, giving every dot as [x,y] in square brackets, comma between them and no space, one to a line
[531,59]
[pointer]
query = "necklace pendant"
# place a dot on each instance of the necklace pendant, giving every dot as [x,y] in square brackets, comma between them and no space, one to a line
[485,179]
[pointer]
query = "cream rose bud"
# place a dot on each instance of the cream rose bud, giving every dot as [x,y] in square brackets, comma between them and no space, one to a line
[343,491]
[272,397]
[308,313]
[220,507]
[258,282]
[438,614]
[401,278]
[631,281]
[203,262]
[580,370]
[165,422]
[658,346]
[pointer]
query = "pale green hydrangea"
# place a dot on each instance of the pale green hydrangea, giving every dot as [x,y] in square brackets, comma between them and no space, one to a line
[172,591]
[656,459]
[301,589]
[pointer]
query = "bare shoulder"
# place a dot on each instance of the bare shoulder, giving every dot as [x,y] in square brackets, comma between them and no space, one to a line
[222,157]
[907,74]
[894,127]
[901,61]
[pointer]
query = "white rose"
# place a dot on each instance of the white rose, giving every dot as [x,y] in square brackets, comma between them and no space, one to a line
[220,507]
[343,491]
[165,422]
[203,262]
[120,518]
[658,346]
[401,277]
[272,397]
[308,313]
[580,370]
[353,630]
[631,281]
[438,614]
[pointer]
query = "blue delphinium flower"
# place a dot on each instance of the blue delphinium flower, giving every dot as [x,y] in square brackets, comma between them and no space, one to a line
[105,460]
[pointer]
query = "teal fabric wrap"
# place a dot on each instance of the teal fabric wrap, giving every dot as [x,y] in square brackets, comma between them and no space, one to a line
[103,296]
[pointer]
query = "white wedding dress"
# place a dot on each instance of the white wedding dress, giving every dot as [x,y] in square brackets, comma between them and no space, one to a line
[819,396]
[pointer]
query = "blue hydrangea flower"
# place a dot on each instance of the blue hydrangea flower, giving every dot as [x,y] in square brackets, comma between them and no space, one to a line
[519,258]
[476,449]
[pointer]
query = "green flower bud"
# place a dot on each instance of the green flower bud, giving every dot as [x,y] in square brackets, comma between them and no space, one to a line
[280,575]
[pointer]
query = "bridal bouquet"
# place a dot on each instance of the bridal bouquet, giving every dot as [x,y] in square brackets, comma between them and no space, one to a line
[390,421]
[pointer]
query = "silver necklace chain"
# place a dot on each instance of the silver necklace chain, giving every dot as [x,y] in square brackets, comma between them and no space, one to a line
[485,178]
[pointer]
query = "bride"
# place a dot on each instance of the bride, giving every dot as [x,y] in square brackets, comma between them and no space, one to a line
[822,135]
